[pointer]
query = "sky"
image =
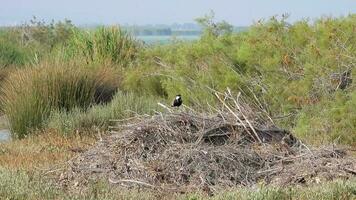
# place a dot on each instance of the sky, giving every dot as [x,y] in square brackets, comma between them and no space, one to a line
[142,12]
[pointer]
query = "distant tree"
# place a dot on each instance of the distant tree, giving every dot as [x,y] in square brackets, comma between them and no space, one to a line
[211,27]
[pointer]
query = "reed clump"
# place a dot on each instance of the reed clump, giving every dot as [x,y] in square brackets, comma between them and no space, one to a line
[30,95]
[104,45]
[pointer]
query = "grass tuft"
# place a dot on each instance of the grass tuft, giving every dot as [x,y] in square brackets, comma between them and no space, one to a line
[30,95]
[122,106]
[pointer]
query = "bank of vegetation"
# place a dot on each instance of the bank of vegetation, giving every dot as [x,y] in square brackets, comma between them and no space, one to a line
[57,78]
[301,73]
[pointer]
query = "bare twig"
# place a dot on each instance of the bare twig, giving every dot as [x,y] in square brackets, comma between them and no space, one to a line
[237,117]
[350,171]
[165,107]
[131,181]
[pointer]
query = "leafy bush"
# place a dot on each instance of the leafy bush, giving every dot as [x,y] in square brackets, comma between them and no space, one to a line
[289,67]
[331,120]
[296,61]
[30,95]
[29,43]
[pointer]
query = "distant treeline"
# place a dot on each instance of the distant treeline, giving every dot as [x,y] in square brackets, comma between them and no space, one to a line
[145,30]
[163,31]
[140,31]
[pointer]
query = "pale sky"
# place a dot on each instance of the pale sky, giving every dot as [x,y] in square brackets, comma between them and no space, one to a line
[139,12]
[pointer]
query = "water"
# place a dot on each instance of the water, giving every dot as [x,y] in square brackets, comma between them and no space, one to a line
[166,39]
[5,135]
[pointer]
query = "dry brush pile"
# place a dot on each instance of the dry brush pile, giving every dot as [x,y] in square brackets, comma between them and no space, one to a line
[185,151]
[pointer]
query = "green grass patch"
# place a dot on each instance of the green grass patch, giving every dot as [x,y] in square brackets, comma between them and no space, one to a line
[122,106]
[22,185]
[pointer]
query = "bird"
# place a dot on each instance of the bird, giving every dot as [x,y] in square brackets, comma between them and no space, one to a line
[177,101]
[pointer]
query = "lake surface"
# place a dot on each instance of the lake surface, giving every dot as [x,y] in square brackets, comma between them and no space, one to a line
[5,135]
[166,39]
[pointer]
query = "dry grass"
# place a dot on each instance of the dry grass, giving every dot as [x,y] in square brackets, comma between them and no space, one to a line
[41,151]
[3,122]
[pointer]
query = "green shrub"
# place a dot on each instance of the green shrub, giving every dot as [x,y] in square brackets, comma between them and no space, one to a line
[42,37]
[287,66]
[30,95]
[331,120]
[29,43]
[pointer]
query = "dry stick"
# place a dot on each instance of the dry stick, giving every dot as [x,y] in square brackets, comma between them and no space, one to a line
[237,117]
[350,171]
[184,106]
[164,106]
[270,170]
[248,122]
[131,181]
[52,171]
[260,105]
[123,120]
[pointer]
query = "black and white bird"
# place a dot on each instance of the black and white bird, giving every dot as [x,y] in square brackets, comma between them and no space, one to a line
[177,101]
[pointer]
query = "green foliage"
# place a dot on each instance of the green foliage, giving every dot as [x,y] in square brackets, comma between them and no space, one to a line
[212,28]
[20,185]
[30,95]
[44,35]
[288,67]
[331,120]
[28,43]
[295,61]
[194,70]
[293,69]
[122,106]
[103,45]
[11,55]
